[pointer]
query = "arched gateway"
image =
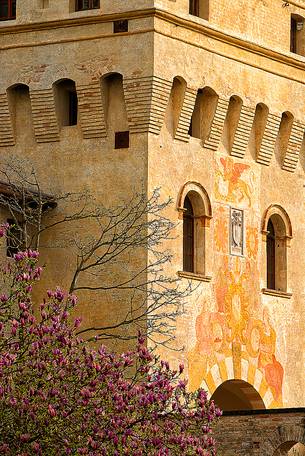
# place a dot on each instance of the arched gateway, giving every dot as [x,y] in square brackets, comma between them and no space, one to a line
[237,395]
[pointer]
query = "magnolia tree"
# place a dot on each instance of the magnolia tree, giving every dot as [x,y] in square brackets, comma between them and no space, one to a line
[60,396]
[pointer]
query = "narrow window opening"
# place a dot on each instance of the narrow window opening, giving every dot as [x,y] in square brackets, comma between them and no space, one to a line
[82,5]
[120,26]
[196,120]
[195,205]
[190,132]
[209,106]
[194,7]
[44,4]
[293,35]
[115,109]
[188,236]
[258,129]
[199,8]
[203,114]
[297,35]
[21,112]
[283,137]
[175,104]
[7,10]
[66,102]
[121,140]
[276,253]
[72,108]
[231,122]
[271,256]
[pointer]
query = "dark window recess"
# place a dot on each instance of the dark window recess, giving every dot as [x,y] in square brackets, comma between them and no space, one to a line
[66,102]
[120,26]
[7,10]
[72,108]
[293,35]
[190,132]
[82,5]
[121,140]
[188,236]
[14,239]
[194,7]
[271,256]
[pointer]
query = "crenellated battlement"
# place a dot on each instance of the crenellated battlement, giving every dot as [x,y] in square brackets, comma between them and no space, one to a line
[148,103]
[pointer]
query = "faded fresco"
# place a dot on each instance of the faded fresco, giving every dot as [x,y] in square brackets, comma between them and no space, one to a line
[236,340]
[231,184]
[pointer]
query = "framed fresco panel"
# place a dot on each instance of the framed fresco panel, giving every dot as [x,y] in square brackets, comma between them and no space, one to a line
[237,235]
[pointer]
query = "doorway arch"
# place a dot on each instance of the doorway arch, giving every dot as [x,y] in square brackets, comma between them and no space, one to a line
[290,448]
[237,395]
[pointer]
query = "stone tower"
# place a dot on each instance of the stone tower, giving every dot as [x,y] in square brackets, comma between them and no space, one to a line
[205,99]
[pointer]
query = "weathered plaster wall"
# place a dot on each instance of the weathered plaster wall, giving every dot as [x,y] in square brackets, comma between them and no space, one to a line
[75,158]
[265,22]
[231,329]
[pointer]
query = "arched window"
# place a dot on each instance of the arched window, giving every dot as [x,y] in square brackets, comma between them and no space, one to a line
[203,113]
[195,125]
[21,112]
[175,104]
[284,136]
[278,232]
[258,129]
[195,206]
[232,120]
[115,109]
[66,102]
[270,256]
[188,236]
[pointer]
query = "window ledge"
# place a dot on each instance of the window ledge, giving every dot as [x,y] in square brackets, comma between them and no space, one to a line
[277,293]
[194,276]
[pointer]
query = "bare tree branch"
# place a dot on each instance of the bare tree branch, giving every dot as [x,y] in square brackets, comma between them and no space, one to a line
[119,251]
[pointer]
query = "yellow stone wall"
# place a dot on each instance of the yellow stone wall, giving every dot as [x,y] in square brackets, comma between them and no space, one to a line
[231,329]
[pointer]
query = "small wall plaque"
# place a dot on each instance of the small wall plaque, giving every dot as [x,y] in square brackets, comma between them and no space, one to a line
[236,232]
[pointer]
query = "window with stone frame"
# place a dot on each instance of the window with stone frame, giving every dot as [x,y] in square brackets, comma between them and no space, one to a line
[7,10]
[297,35]
[276,254]
[188,236]
[82,5]
[199,8]
[196,209]
[271,256]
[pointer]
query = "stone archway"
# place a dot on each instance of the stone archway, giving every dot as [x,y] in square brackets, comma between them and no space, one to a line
[237,395]
[290,449]
[287,440]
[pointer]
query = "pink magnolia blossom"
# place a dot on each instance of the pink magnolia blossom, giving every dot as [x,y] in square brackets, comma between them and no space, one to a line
[60,396]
